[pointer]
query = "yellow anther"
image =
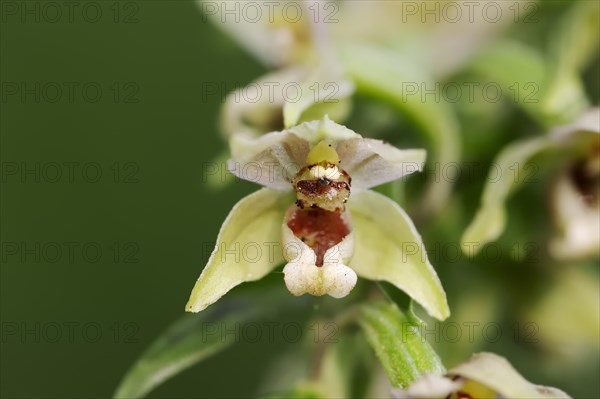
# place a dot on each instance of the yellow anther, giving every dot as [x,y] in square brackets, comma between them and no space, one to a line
[322,152]
[476,390]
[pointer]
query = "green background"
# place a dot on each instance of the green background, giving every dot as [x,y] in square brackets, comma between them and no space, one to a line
[150,208]
[158,211]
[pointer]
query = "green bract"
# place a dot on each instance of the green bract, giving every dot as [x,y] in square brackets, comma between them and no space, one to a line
[404,354]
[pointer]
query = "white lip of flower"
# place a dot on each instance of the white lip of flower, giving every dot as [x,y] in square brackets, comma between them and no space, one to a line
[329,237]
[303,275]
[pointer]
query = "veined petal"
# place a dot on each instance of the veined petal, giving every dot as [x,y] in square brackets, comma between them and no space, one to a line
[496,373]
[271,160]
[372,162]
[253,221]
[389,248]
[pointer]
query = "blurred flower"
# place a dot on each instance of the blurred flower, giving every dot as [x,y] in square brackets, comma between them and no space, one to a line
[576,195]
[576,206]
[393,50]
[485,375]
[440,35]
[328,236]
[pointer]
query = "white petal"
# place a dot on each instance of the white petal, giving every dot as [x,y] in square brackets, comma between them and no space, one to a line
[372,162]
[271,160]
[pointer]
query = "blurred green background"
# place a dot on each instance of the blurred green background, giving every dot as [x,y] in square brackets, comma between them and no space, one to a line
[73,322]
[155,212]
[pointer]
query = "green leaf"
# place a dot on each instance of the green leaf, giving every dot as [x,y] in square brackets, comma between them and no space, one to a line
[507,173]
[402,351]
[188,341]
[389,248]
[388,75]
[254,224]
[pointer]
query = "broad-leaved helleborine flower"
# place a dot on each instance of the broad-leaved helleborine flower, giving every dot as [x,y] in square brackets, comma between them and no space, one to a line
[333,230]
[483,376]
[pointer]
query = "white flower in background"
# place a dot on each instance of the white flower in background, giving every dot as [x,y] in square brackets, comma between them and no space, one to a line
[440,35]
[576,202]
[575,198]
[393,50]
[484,376]
[337,228]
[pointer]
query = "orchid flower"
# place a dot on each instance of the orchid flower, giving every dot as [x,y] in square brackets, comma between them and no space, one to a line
[576,192]
[485,375]
[337,229]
